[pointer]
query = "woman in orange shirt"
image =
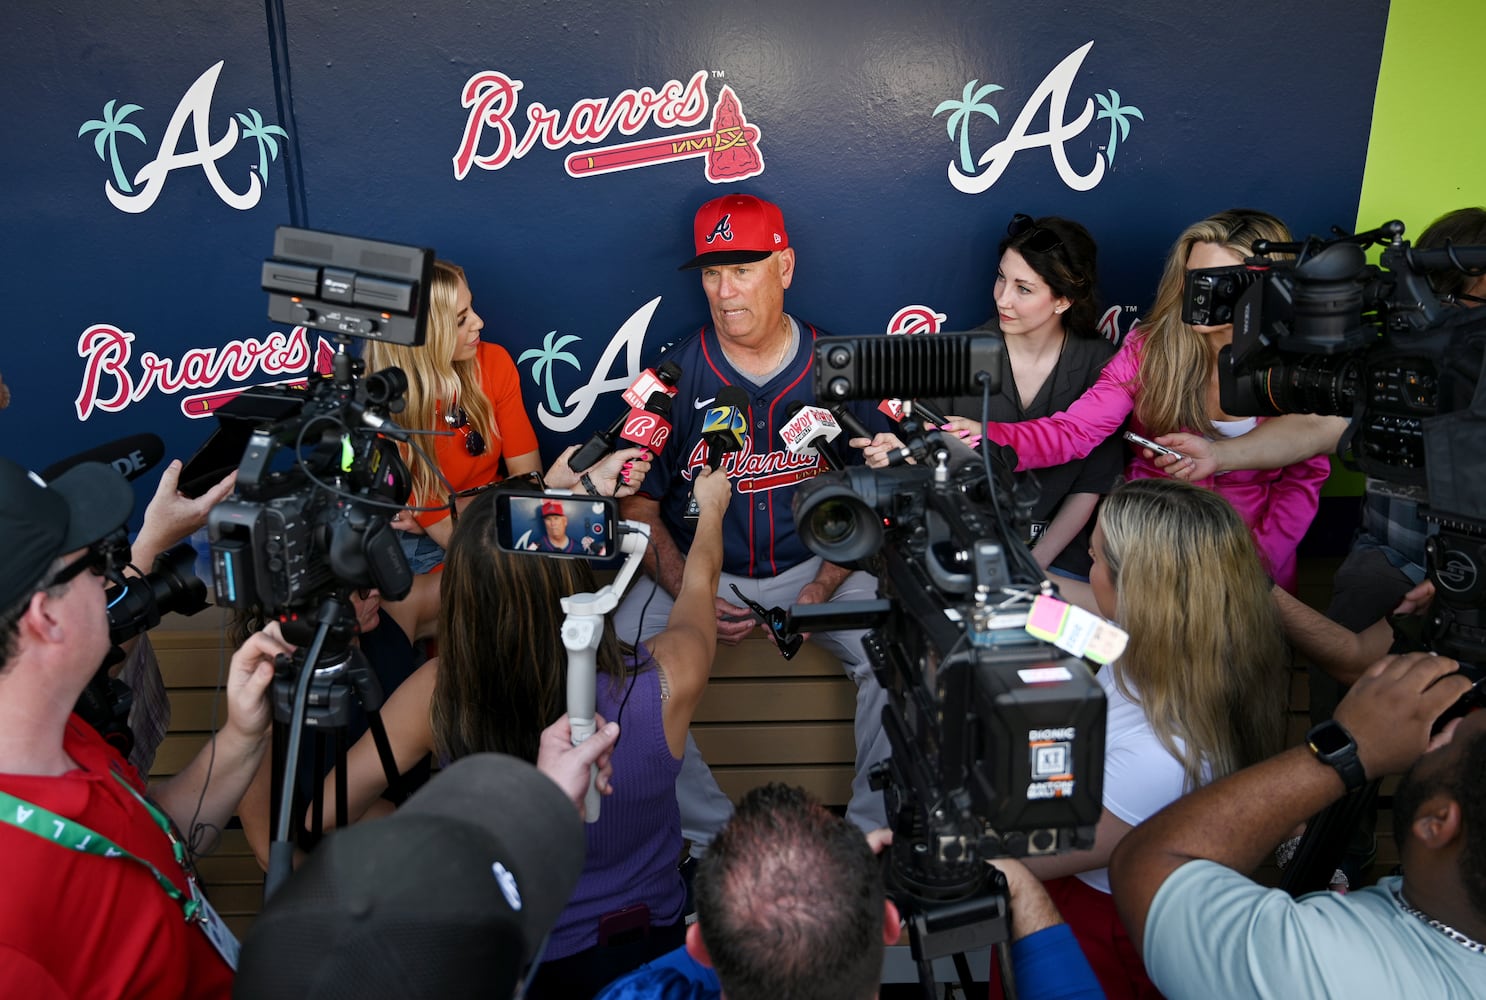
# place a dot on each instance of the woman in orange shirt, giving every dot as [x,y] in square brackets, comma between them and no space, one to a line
[456,382]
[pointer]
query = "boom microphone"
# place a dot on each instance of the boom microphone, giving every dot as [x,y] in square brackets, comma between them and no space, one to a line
[641,390]
[130,456]
[873,367]
[812,428]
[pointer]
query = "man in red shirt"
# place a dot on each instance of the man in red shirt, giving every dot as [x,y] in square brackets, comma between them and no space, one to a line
[100,900]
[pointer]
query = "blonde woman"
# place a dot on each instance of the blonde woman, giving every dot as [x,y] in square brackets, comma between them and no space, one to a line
[459,383]
[1167,375]
[1200,691]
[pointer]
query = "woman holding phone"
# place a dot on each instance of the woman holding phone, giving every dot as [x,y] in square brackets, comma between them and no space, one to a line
[500,679]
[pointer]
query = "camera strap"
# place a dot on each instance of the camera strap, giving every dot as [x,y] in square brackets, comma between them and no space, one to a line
[73,835]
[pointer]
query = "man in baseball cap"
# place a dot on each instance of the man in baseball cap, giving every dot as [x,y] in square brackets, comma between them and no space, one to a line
[451,896]
[108,898]
[555,520]
[746,262]
[736,229]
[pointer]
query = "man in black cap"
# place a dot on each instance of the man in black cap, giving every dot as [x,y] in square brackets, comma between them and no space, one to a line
[103,900]
[451,896]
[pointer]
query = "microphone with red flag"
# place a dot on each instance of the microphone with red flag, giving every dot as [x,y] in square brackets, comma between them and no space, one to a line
[648,428]
[641,391]
[812,428]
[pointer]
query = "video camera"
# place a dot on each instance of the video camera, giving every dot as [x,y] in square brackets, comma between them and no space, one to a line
[1328,333]
[997,736]
[319,479]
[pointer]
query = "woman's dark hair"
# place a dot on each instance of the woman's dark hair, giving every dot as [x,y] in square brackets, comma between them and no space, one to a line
[1464,227]
[1071,269]
[502,664]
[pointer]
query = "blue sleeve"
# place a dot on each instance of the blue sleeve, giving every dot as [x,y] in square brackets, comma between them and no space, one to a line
[1050,966]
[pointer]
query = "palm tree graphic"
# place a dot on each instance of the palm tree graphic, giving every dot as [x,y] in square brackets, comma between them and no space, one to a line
[1119,120]
[545,357]
[108,128]
[268,146]
[959,120]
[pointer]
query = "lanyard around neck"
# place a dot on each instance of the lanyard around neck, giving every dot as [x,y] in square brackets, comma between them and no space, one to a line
[66,833]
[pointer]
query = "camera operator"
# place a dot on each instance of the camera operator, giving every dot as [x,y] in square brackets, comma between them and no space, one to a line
[791,903]
[170,518]
[1205,929]
[98,876]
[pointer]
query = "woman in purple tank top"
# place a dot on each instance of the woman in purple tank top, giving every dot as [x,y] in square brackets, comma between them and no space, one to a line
[499,680]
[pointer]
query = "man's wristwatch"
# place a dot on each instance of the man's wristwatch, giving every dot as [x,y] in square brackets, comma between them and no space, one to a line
[1334,745]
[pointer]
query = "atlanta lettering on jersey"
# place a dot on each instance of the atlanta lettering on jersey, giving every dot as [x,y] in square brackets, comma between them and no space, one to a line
[756,473]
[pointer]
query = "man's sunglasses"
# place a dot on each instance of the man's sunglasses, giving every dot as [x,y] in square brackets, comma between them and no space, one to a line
[474,441]
[776,620]
[1038,238]
[91,560]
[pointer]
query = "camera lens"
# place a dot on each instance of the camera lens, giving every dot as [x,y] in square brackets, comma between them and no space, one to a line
[833,522]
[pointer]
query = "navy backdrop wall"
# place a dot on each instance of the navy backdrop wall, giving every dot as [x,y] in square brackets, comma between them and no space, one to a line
[558,150]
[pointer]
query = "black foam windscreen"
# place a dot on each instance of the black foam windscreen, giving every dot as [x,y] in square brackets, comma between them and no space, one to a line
[939,364]
[131,456]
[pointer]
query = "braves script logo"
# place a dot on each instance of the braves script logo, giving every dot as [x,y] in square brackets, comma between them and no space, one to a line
[194,109]
[1054,93]
[110,386]
[730,145]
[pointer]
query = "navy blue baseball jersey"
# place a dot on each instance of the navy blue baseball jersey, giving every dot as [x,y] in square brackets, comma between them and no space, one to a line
[759,537]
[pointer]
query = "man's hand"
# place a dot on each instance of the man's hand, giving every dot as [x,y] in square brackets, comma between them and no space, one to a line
[1032,909]
[173,516]
[1392,708]
[248,678]
[876,451]
[568,765]
[1199,458]
[734,622]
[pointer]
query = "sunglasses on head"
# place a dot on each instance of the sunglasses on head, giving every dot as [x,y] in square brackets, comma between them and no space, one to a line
[474,442]
[1038,239]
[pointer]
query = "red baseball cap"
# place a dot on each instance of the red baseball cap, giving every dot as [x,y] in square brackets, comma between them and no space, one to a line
[550,507]
[736,229]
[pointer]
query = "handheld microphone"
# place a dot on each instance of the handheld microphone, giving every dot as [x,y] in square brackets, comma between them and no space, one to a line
[724,428]
[131,457]
[648,428]
[812,428]
[644,387]
[856,429]
[725,425]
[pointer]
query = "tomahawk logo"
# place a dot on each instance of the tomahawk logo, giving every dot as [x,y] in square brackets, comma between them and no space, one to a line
[722,231]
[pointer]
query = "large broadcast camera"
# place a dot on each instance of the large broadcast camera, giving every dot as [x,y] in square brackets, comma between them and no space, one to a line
[1328,333]
[319,482]
[997,736]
